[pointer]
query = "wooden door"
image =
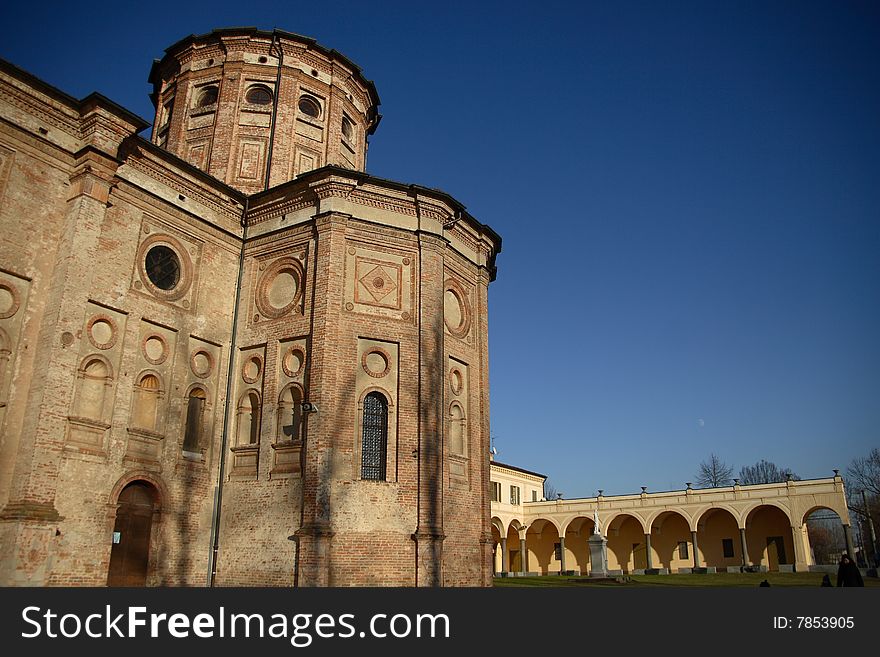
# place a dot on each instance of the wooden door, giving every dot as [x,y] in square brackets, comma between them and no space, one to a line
[130,555]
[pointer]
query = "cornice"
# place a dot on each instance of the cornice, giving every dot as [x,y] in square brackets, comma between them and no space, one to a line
[44,111]
[160,172]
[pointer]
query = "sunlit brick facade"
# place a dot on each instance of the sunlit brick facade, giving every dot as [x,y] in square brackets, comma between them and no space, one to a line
[228,355]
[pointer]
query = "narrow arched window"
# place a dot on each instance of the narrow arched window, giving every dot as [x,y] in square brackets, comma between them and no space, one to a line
[456,429]
[94,378]
[249,419]
[290,414]
[374,437]
[195,408]
[146,402]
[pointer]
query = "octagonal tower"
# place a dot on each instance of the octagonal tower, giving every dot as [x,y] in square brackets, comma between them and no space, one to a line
[256,108]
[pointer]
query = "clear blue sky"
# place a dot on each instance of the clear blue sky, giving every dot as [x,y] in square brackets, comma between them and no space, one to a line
[689,196]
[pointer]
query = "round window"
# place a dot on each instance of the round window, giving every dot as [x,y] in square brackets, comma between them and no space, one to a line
[163,267]
[207,97]
[309,107]
[258,96]
[347,128]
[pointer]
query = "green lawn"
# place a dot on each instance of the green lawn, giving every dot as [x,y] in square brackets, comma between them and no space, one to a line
[717,579]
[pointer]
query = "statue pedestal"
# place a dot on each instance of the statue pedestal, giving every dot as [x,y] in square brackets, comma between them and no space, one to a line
[598,556]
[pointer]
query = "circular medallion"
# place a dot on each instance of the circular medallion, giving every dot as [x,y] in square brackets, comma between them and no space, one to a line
[455,380]
[294,361]
[201,363]
[376,362]
[279,288]
[155,349]
[9,301]
[101,331]
[251,369]
[456,310]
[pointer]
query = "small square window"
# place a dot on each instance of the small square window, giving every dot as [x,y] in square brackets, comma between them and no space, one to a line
[727,546]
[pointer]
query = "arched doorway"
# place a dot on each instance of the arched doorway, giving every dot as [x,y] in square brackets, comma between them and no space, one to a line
[130,554]
[769,537]
[823,536]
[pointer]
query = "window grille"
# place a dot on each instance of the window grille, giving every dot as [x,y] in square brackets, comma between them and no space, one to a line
[375,437]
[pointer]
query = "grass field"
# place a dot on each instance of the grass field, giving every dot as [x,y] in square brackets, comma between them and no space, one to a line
[653,581]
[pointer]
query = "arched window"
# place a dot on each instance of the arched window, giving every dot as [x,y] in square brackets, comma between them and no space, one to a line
[289,414]
[347,128]
[374,442]
[249,419]
[258,95]
[456,429]
[309,106]
[94,379]
[195,409]
[207,96]
[146,402]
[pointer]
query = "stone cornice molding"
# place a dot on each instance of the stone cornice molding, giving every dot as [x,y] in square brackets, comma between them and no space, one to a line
[142,161]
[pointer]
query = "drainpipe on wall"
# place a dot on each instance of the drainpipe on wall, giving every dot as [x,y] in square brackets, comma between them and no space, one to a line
[274,105]
[218,489]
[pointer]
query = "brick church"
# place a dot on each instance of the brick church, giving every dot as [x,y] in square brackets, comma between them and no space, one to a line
[228,355]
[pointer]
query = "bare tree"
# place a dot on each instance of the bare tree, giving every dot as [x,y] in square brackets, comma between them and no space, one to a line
[826,541]
[863,473]
[863,494]
[714,473]
[549,490]
[764,472]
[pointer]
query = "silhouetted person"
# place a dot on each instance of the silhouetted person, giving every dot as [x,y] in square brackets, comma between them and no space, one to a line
[764,583]
[848,573]
[826,581]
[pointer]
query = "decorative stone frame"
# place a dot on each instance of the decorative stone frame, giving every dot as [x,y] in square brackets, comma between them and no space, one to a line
[391,455]
[267,277]
[186,266]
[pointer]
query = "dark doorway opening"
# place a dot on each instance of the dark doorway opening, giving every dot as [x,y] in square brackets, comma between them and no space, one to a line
[130,555]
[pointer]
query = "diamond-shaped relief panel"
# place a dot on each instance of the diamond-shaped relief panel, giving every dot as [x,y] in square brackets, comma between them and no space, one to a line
[378,283]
